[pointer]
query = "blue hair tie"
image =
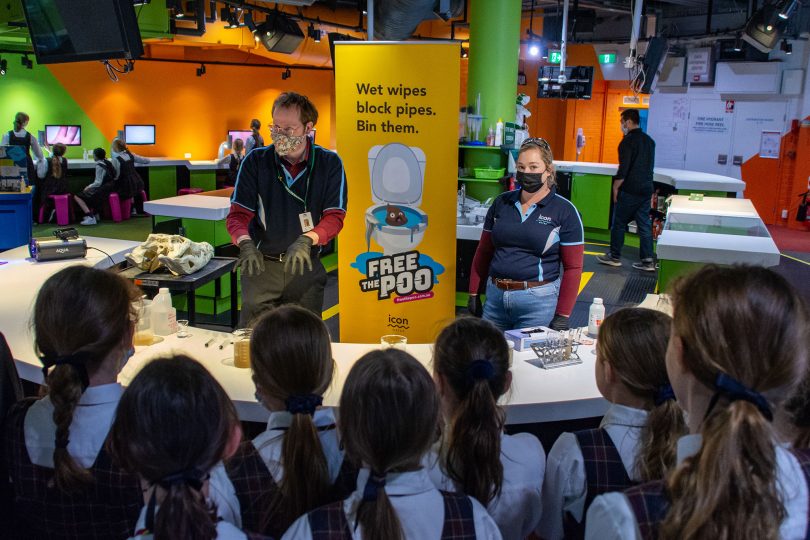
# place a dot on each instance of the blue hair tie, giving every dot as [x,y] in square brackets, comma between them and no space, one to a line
[734,390]
[193,477]
[374,484]
[664,394]
[303,404]
[481,369]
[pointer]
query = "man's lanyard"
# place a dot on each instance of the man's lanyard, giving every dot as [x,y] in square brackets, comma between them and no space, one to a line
[310,168]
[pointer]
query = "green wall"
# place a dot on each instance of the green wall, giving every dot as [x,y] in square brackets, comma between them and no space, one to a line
[37,92]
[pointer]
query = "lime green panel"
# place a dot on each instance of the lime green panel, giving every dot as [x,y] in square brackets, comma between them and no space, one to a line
[482,157]
[203,230]
[206,180]
[37,92]
[203,305]
[590,193]
[162,182]
[669,270]
[153,19]
[602,235]
[330,262]
[462,297]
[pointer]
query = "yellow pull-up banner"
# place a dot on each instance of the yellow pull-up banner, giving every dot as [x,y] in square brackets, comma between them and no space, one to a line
[397,133]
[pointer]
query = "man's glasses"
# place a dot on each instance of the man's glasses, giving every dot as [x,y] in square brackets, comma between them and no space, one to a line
[536,141]
[289,132]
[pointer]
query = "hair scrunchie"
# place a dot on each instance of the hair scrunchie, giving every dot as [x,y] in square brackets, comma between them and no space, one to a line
[193,478]
[76,360]
[374,484]
[480,369]
[664,394]
[303,404]
[734,390]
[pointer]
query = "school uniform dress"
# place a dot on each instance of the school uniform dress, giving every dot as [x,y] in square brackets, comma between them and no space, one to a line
[637,513]
[98,192]
[129,182]
[253,141]
[573,480]
[424,512]
[225,530]
[107,508]
[30,143]
[50,184]
[254,473]
[232,162]
[517,509]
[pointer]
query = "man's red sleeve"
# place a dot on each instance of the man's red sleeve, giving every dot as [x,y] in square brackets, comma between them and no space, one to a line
[330,225]
[480,265]
[572,257]
[237,221]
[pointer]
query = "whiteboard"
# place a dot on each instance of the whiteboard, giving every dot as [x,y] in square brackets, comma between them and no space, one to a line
[667,125]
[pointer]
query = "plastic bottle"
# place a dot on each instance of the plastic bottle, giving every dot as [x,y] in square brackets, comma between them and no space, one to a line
[596,314]
[163,315]
[499,132]
[84,153]
[491,136]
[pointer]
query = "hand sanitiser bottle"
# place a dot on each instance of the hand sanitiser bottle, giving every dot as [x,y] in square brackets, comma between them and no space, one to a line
[499,132]
[596,314]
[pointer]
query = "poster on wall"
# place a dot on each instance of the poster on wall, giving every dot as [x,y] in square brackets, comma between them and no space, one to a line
[396,119]
[13,169]
[769,144]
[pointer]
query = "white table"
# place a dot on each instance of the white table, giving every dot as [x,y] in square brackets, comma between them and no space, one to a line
[195,206]
[20,280]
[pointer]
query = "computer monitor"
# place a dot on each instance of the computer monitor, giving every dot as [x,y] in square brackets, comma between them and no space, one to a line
[69,135]
[234,134]
[139,134]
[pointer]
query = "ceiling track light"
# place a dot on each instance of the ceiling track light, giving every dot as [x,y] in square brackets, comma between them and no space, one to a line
[3,66]
[787,8]
[27,62]
[314,33]
[465,53]
[787,47]
[286,74]
[738,43]
[201,70]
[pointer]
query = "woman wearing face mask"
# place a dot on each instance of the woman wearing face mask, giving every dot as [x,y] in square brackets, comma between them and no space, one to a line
[527,234]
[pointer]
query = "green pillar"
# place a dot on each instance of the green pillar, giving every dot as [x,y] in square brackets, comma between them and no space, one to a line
[494,49]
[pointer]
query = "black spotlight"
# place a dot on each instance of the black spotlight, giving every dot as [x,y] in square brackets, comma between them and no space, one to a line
[738,43]
[27,62]
[201,70]
[314,33]
[465,53]
[3,66]
[787,47]
[787,8]
[286,74]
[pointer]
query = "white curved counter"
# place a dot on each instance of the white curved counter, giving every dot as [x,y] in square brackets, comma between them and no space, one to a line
[537,395]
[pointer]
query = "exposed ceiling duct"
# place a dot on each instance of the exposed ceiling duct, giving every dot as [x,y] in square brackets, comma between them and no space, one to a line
[396,20]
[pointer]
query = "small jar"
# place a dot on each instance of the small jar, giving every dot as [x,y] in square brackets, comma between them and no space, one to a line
[241,347]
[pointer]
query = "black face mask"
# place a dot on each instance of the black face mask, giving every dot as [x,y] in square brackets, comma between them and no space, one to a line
[530,182]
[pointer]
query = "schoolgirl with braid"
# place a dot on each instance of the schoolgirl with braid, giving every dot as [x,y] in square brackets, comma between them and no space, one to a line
[471,367]
[174,424]
[65,484]
[635,441]
[737,347]
[389,416]
[297,463]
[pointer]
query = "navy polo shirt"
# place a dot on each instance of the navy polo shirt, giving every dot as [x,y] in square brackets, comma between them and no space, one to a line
[527,246]
[264,187]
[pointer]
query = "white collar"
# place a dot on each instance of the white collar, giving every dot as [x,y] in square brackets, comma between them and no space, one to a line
[399,483]
[281,420]
[624,416]
[103,393]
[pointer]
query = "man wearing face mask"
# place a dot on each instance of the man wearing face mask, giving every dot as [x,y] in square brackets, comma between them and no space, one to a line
[289,199]
[632,193]
[527,234]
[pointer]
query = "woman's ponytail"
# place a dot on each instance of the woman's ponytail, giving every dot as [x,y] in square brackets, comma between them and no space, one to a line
[65,390]
[472,358]
[473,457]
[377,515]
[659,439]
[184,513]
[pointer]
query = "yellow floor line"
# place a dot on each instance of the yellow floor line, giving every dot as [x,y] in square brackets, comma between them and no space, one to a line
[331,312]
[597,244]
[795,259]
[592,253]
[586,277]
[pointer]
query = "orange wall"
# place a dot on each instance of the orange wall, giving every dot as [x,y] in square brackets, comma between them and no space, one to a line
[192,114]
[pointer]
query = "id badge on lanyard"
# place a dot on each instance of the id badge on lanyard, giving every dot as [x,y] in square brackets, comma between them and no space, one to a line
[305,217]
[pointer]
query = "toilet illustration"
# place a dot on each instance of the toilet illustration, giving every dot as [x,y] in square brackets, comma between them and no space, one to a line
[397,179]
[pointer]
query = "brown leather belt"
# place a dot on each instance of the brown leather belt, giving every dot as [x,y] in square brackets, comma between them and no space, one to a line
[512,285]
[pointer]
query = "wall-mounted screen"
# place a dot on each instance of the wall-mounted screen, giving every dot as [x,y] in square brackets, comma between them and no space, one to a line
[577,85]
[234,134]
[68,135]
[139,134]
[59,30]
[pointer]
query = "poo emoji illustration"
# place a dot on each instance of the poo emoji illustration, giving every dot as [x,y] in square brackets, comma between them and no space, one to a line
[395,216]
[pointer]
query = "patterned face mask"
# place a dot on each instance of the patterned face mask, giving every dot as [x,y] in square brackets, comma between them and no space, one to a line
[286,144]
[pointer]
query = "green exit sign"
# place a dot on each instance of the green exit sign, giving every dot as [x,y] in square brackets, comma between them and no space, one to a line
[607,58]
[554,57]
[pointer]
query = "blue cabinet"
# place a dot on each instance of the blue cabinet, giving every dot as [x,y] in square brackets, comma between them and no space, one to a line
[15,219]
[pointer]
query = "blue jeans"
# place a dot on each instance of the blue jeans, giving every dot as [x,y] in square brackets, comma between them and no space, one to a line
[521,309]
[627,208]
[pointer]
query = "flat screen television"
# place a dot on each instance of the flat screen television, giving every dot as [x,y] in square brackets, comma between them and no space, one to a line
[234,134]
[69,135]
[578,83]
[652,63]
[60,33]
[139,134]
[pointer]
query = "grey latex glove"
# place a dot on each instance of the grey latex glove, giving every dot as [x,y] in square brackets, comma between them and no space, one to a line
[474,305]
[297,255]
[251,261]
[559,322]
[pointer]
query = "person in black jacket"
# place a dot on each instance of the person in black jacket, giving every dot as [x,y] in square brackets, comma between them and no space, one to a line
[632,193]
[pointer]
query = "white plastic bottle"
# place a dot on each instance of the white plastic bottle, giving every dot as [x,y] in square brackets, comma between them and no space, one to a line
[84,153]
[596,314]
[499,132]
[163,315]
